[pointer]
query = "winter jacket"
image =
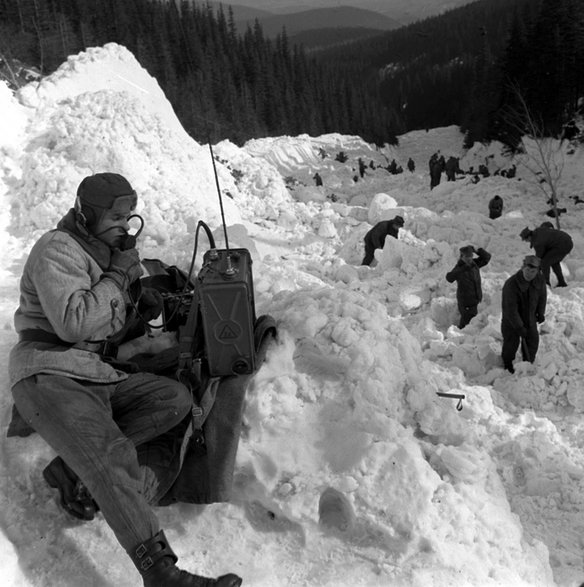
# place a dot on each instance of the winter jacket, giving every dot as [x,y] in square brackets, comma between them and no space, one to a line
[496,207]
[376,236]
[468,278]
[544,239]
[66,291]
[524,302]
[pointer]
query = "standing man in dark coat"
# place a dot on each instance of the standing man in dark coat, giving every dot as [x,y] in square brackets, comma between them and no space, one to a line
[437,165]
[468,278]
[551,245]
[495,207]
[375,238]
[451,167]
[523,308]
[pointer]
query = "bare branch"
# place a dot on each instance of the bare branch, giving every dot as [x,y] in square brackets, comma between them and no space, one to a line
[543,156]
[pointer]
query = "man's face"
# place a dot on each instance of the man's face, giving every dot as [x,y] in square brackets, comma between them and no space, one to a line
[113,226]
[467,259]
[530,271]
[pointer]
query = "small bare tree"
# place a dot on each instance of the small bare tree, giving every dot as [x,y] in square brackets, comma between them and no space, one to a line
[543,156]
[7,73]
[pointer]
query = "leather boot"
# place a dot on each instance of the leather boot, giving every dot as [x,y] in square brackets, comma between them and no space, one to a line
[74,496]
[156,562]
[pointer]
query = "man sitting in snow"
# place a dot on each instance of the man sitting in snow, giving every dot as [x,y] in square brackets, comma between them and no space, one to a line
[80,289]
[523,308]
[551,245]
[468,278]
[375,238]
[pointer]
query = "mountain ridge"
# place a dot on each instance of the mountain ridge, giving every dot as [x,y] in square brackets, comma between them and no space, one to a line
[323,18]
[402,11]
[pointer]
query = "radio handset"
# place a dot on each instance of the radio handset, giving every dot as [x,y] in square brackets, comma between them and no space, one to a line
[130,240]
[128,243]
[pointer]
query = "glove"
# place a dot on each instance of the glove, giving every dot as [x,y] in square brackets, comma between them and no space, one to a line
[156,362]
[150,304]
[540,319]
[125,267]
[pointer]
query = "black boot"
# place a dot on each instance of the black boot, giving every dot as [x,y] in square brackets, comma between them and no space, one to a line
[156,562]
[508,365]
[74,496]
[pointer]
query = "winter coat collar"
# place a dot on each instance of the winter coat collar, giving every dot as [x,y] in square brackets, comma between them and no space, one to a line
[96,248]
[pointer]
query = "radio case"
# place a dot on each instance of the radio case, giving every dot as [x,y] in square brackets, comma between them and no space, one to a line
[226,297]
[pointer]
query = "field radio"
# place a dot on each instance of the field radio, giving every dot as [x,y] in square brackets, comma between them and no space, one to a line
[226,298]
[214,314]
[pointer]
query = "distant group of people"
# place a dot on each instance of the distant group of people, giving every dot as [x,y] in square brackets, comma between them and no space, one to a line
[438,164]
[362,168]
[524,293]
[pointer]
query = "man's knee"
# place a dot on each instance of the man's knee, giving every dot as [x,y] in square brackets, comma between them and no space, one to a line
[166,393]
[176,393]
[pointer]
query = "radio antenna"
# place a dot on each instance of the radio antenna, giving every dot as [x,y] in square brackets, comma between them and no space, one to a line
[190,62]
[219,194]
[229,270]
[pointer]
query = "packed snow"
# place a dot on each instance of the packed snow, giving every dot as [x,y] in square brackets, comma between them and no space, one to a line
[351,470]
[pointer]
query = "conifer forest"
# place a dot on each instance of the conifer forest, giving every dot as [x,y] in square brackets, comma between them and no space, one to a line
[476,67]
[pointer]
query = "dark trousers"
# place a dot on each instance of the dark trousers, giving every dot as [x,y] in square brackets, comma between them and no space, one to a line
[552,259]
[467,313]
[511,342]
[96,428]
[369,254]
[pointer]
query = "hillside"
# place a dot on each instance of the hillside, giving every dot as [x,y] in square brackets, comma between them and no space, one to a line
[327,38]
[322,18]
[403,11]
[241,13]
[442,57]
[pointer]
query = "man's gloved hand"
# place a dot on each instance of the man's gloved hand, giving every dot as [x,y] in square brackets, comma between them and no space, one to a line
[540,319]
[125,267]
[150,304]
[156,362]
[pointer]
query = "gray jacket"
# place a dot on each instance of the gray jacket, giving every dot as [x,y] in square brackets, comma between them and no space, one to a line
[65,291]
